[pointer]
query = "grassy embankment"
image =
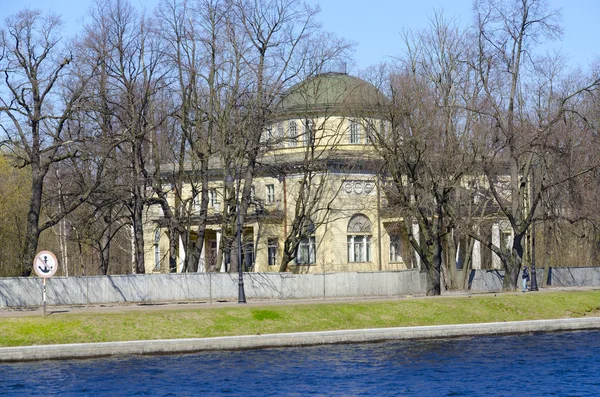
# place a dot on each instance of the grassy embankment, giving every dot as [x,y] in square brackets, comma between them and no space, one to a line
[247,320]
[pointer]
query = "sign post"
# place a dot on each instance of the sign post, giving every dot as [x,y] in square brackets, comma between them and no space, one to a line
[45,265]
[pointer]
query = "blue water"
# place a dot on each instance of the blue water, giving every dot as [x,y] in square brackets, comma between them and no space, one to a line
[554,364]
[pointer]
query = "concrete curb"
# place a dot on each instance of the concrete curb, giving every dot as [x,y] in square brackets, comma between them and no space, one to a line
[174,346]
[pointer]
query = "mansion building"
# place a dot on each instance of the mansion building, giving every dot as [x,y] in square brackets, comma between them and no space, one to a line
[322,121]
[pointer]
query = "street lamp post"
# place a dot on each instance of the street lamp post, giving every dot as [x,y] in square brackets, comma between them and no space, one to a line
[241,292]
[534,286]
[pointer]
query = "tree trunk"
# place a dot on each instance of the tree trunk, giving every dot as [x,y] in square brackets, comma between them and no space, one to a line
[138,234]
[173,249]
[32,233]
[105,246]
[513,264]
[433,262]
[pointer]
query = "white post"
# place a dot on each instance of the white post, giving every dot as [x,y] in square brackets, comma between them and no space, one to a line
[181,255]
[44,296]
[417,237]
[133,267]
[476,254]
[496,262]
[201,259]
[222,270]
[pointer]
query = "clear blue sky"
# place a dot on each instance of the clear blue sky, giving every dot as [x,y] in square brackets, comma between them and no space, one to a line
[375,24]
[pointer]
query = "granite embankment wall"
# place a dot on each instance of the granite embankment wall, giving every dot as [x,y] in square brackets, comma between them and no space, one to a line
[24,292]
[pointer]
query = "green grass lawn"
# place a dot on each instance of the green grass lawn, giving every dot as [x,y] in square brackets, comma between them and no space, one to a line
[250,320]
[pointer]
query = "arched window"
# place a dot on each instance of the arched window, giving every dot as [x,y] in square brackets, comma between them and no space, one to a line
[157,249]
[307,249]
[359,239]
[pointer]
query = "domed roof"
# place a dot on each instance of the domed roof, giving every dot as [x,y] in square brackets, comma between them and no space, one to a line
[331,92]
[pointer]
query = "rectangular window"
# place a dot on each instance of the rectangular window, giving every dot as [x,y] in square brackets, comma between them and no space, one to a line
[213,198]
[306,251]
[293,134]
[395,248]
[307,137]
[359,248]
[506,240]
[157,249]
[248,256]
[279,135]
[354,133]
[270,194]
[382,129]
[272,251]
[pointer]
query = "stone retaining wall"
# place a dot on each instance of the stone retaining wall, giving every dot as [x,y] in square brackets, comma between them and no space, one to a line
[25,292]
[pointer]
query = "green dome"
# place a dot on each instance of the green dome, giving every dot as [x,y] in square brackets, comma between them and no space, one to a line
[331,92]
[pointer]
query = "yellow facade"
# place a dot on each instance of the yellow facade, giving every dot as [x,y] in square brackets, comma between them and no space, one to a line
[352,235]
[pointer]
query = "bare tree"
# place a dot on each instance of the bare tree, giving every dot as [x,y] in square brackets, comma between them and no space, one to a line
[128,86]
[422,140]
[519,131]
[38,101]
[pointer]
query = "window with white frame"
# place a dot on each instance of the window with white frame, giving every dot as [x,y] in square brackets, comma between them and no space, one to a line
[307,249]
[248,256]
[293,133]
[213,198]
[307,136]
[354,132]
[395,248]
[269,134]
[279,134]
[157,249]
[382,128]
[272,251]
[359,239]
[270,194]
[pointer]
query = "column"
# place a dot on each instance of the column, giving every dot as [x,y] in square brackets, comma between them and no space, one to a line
[476,254]
[201,261]
[496,262]
[223,269]
[417,237]
[181,255]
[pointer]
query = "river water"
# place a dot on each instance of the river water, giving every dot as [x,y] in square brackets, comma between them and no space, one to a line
[544,364]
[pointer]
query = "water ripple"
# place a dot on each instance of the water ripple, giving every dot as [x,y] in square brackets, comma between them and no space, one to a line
[553,364]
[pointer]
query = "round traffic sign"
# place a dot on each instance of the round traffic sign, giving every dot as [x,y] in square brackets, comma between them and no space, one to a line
[45,264]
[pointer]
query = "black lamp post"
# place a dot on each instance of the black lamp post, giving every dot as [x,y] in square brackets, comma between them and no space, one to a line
[534,286]
[241,292]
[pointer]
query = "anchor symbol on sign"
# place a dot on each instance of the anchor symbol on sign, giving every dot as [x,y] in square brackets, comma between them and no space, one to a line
[45,269]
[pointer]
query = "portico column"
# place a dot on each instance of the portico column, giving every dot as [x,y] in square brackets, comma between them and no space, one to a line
[476,254]
[496,262]
[223,268]
[417,237]
[181,255]
[201,262]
